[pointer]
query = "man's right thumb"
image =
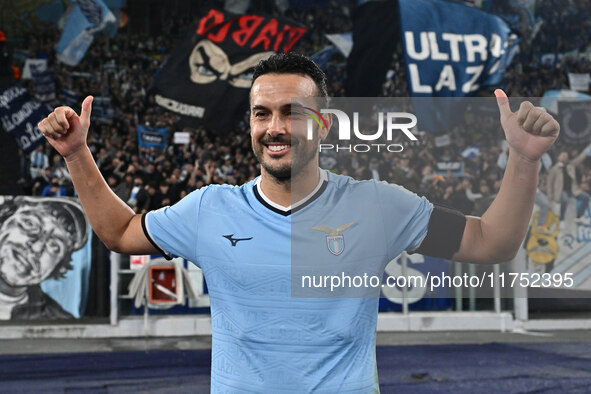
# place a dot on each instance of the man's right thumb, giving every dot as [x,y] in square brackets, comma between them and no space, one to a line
[86,109]
[503,103]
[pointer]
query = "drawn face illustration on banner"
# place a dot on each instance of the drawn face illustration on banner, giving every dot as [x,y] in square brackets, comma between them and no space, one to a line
[209,63]
[37,241]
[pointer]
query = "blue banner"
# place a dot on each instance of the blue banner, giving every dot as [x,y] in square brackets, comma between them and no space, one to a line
[87,18]
[102,110]
[19,115]
[151,138]
[470,152]
[548,59]
[71,98]
[451,49]
[343,41]
[321,57]
[44,82]
[419,298]
[552,97]
[453,168]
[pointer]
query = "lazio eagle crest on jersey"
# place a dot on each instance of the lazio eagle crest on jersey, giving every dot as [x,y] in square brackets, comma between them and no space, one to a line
[334,240]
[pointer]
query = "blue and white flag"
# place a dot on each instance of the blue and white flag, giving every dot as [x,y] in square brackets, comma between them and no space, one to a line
[453,168]
[579,81]
[19,115]
[151,138]
[343,41]
[470,152]
[102,110]
[71,98]
[548,59]
[44,82]
[452,49]
[86,18]
[321,57]
[552,97]
[39,64]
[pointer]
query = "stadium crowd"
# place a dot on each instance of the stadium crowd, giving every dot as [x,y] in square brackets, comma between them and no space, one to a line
[121,68]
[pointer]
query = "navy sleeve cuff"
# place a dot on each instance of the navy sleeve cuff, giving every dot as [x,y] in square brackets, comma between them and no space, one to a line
[149,237]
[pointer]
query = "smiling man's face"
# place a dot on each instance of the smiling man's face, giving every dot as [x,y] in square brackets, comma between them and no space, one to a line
[278,126]
[32,244]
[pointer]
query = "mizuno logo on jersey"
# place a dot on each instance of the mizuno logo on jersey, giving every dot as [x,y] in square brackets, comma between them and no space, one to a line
[334,240]
[234,241]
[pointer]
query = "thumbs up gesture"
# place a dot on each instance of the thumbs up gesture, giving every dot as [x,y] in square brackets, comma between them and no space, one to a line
[65,130]
[530,131]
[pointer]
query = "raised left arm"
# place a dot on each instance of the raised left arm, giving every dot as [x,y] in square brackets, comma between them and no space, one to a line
[497,235]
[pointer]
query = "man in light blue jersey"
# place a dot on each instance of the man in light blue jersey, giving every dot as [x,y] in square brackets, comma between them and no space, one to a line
[264,338]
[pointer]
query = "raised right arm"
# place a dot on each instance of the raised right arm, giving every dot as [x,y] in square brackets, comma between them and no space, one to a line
[111,219]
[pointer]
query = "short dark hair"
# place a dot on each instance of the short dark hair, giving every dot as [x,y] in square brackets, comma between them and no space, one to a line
[292,63]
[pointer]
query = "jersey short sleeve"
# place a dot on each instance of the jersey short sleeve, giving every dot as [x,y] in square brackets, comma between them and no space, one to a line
[173,230]
[405,215]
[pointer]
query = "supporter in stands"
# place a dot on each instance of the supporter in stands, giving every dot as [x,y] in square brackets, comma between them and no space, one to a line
[123,189]
[41,181]
[39,161]
[564,182]
[60,171]
[54,189]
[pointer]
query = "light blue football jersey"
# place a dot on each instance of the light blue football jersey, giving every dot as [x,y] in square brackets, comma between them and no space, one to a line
[265,339]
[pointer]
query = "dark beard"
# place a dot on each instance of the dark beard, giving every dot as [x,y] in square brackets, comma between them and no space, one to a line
[285,173]
[282,174]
